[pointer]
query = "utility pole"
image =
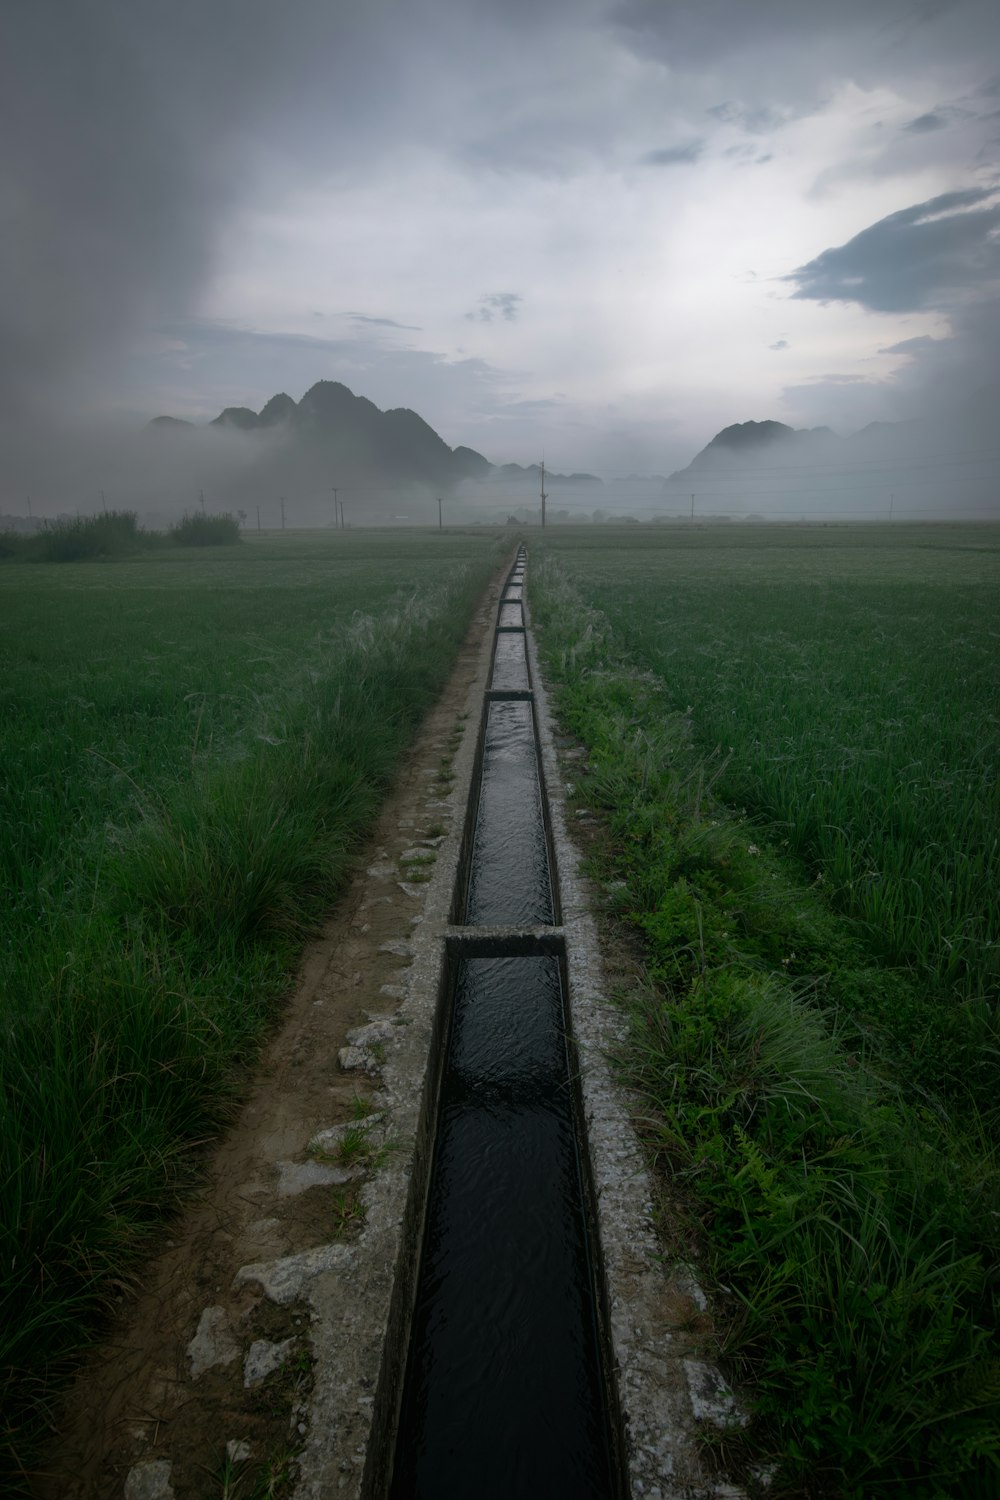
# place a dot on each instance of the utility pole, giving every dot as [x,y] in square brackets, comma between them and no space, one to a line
[334,489]
[201,500]
[544,495]
[892,501]
[440,524]
[258,520]
[282,512]
[343,523]
[29,507]
[692,507]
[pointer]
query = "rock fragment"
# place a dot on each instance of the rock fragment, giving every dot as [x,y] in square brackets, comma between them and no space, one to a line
[263,1358]
[149,1481]
[365,1048]
[214,1342]
[298,1176]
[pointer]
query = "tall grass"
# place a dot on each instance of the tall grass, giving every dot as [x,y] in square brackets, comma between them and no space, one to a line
[846,1208]
[191,758]
[113,533]
[198,530]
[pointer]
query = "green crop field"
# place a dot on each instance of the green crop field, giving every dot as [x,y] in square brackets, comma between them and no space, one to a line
[794,737]
[192,746]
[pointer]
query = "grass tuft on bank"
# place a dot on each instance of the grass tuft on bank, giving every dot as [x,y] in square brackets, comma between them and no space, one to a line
[845,1211]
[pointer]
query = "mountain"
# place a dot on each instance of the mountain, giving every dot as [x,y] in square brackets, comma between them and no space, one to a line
[746,442]
[171,424]
[944,465]
[236,416]
[333,437]
[474,464]
[521,472]
[280,408]
[332,434]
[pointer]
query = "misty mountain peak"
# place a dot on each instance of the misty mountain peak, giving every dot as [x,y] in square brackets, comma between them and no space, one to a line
[744,441]
[331,401]
[240,417]
[169,424]
[332,434]
[280,408]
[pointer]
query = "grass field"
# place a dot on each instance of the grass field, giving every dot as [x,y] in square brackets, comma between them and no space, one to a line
[793,737]
[192,747]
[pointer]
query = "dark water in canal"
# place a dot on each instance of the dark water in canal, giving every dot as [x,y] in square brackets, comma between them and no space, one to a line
[504,1392]
[510,666]
[509,868]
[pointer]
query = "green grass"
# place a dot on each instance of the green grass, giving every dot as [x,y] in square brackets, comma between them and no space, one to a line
[820,1094]
[850,680]
[192,748]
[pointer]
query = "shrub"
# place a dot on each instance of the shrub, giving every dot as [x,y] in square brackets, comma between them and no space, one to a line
[114,533]
[197,530]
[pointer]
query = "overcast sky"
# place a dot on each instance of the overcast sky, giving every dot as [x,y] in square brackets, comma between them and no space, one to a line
[605,228]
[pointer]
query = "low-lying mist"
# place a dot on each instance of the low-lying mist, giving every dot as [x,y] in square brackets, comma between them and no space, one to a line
[936,470]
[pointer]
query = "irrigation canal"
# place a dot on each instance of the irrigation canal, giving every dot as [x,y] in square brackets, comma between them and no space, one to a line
[469,1332]
[506,1389]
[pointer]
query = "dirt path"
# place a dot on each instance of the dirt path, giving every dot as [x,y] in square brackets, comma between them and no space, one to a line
[171,1385]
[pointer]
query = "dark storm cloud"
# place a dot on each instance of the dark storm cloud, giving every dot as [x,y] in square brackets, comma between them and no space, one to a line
[962,368]
[383,322]
[124,126]
[922,257]
[894,33]
[924,123]
[748,156]
[957,375]
[674,156]
[505,305]
[131,130]
[783,59]
[540,404]
[920,345]
[754,120]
